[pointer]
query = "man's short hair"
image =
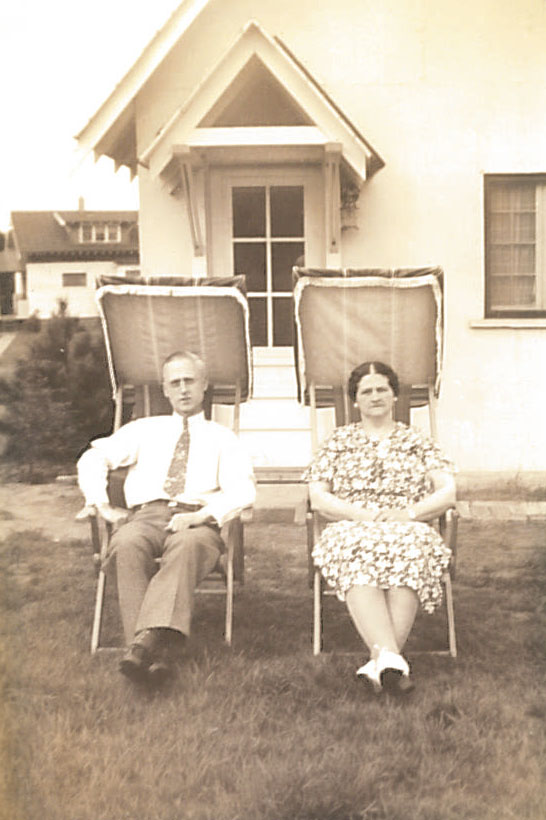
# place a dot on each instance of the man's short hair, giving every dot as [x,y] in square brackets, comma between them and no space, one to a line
[186,355]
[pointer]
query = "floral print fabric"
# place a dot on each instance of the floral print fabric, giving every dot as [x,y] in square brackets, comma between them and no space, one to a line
[377,474]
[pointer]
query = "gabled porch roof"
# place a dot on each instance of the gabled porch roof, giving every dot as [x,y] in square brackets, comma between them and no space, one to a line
[112,130]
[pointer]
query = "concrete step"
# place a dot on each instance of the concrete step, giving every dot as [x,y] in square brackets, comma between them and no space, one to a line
[274,448]
[274,414]
[274,382]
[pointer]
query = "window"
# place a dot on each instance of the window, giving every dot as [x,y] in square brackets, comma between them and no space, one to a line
[515,245]
[100,232]
[74,280]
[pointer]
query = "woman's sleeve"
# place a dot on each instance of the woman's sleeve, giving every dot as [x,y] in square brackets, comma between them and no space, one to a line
[434,458]
[323,464]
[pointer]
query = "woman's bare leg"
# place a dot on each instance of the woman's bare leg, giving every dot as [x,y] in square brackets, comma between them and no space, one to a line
[369,610]
[402,604]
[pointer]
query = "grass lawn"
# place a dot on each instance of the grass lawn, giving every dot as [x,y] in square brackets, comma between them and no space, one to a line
[264,731]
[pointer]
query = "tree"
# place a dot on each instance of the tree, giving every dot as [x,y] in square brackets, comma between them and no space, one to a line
[58,398]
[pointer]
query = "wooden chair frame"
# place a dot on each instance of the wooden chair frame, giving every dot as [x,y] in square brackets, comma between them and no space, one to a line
[166,305]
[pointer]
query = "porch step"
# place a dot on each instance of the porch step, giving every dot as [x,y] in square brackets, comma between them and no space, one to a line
[276,448]
[273,381]
[274,414]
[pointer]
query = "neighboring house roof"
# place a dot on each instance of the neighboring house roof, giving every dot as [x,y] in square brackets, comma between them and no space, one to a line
[50,235]
[112,130]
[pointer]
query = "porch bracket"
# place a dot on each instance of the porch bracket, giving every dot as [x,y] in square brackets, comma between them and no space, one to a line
[189,187]
[332,194]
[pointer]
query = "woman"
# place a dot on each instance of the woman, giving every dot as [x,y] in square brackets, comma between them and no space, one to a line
[379,482]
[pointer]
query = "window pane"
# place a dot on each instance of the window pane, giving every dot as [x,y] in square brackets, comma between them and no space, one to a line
[287,210]
[283,321]
[100,233]
[87,233]
[74,280]
[249,258]
[113,231]
[284,256]
[258,321]
[524,227]
[512,291]
[248,211]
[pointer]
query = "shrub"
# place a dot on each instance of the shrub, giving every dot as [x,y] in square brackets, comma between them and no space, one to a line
[59,396]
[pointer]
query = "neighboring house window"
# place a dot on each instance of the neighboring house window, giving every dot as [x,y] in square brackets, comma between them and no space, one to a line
[100,232]
[515,245]
[74,280]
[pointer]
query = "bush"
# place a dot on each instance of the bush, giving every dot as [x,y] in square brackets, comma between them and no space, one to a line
[59,397]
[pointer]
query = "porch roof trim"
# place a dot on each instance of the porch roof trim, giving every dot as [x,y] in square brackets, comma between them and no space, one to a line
[329,120]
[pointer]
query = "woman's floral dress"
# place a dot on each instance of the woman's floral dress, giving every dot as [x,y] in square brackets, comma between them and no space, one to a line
[391,472]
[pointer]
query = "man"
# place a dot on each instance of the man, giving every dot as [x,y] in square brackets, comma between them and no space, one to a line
[186,477]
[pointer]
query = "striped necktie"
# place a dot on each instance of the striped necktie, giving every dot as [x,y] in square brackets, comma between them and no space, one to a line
[176,476]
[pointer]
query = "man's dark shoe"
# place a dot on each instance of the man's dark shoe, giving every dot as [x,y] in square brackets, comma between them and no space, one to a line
[160,671]
[136,663]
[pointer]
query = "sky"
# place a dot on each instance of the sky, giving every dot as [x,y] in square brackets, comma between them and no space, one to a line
[59,60]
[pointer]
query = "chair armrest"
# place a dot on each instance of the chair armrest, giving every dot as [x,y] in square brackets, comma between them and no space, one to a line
[86,513]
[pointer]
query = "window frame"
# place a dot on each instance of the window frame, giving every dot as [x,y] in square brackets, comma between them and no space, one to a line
[513,312]
[104,232]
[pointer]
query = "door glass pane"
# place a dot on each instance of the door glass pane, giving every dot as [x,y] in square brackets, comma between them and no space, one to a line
[284,255]
[287,210]
[248,211]
[283,321]
[249,258]
[258,321]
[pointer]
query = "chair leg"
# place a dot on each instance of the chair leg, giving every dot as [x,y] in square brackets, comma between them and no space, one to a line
[228,633]
[317,613]
[450,616]
[97,617]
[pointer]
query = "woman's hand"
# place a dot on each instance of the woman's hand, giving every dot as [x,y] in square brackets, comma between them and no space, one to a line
[392,515]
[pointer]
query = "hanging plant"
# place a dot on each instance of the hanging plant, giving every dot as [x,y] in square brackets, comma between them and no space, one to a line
[349,205]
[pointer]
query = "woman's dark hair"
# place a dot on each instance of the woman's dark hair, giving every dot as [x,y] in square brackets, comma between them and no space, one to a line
[365,370]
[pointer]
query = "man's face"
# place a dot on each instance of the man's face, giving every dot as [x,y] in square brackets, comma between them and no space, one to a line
[184,385]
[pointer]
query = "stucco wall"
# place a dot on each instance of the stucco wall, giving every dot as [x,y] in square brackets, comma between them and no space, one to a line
[45,287]
[445,92]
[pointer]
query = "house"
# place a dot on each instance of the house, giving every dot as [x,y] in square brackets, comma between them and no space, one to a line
[255,128]
[57,255]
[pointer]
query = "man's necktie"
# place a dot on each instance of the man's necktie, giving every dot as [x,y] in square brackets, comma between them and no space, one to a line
[176,476]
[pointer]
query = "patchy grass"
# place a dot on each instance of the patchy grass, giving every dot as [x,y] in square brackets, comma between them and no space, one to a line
[265,731]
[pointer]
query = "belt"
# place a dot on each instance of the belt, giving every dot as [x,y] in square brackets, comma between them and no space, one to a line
[175,506]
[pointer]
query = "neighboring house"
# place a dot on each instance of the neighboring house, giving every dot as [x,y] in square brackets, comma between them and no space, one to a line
[429,115]
[59,254]
[9,265]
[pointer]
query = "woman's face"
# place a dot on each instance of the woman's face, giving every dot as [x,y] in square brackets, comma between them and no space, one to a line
[374,396]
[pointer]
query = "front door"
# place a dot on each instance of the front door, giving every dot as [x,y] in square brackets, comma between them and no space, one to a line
[265,221]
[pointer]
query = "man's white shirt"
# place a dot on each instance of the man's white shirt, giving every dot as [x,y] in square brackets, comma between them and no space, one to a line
[219,473]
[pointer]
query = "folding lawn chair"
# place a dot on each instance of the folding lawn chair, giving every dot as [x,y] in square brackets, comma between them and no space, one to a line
[143,323]
[344,318]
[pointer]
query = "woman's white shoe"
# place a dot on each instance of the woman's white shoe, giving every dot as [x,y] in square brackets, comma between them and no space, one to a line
[370,674]
[393,672]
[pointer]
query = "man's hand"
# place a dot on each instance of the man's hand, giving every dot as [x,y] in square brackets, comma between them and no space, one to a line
[114,515]
[182,521]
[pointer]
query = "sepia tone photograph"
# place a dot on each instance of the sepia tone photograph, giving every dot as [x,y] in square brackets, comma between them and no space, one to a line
[272,389]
